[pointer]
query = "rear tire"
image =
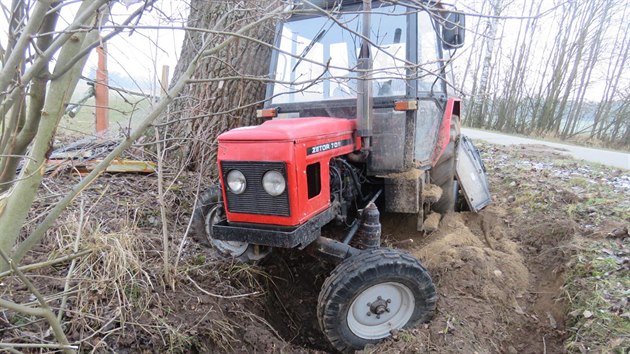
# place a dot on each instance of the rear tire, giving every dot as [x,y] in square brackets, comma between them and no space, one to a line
[443,173]
[372,293]
[208,212]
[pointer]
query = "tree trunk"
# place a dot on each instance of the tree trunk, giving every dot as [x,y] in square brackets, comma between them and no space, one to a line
[229,96]
[482,93]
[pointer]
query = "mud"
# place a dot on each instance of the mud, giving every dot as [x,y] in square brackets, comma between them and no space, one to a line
[492,299]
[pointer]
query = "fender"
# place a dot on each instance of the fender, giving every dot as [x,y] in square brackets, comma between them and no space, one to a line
[444,133]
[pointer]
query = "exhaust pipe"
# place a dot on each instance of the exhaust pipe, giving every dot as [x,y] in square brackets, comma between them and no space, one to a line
[364,94]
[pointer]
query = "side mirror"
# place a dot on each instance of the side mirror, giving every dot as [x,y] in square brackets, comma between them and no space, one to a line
[453,29]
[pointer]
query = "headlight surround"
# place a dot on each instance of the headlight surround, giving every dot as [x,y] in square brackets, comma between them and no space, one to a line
[274,183]
[236,181]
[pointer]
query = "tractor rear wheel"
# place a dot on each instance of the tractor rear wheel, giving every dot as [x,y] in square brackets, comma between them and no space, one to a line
[443,173]
[371,294]
[210,211]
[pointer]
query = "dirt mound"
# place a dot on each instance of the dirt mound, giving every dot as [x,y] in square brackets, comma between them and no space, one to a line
[480,275]
[483,265]
[495,293]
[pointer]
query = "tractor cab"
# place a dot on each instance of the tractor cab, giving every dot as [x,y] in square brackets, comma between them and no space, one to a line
[316,72]
[316,65]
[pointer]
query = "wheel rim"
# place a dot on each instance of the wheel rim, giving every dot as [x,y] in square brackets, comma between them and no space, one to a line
[231,248]
[379,309]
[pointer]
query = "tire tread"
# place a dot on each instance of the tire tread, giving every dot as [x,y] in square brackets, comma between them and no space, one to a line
[366,266]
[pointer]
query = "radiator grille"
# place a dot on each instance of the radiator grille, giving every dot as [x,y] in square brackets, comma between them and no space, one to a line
[254,200]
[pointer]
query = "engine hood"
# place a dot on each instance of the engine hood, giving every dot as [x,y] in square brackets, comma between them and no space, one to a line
[292,129]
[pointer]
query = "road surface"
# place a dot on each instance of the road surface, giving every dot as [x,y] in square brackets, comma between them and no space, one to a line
[606,157]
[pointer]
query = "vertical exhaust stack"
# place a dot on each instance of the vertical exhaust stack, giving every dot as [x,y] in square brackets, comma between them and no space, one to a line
[364,94]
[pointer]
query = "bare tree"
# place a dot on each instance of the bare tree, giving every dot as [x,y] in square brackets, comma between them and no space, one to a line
[546,84]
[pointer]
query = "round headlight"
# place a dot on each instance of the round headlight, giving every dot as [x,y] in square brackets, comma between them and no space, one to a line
[274,183]
[236,181]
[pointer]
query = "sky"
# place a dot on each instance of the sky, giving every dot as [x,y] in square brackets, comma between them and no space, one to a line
[142,54]
[134,61]
[545,34]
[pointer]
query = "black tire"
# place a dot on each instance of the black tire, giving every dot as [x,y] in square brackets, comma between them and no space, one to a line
[208,200]
[394,273]
[209,211]
[461,204]
[443,173]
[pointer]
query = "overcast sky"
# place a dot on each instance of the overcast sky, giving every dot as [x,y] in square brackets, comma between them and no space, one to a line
[141,55]
[138,56]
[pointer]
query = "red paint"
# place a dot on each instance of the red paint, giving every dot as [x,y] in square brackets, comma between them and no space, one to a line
[288,140]
[444,134]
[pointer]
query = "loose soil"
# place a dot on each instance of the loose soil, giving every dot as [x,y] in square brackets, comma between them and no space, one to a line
[499,273]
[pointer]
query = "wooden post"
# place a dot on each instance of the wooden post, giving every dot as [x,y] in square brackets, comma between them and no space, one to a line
[102,92]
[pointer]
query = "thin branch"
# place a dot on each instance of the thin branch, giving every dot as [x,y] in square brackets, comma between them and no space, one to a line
[217,295]
[68,348]
[99,42]
[39,265]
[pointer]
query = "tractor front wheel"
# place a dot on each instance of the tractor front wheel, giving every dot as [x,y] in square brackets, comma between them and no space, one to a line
[210,211]
[371,294]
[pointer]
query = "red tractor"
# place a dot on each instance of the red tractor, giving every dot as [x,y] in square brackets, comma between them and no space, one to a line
[361,121]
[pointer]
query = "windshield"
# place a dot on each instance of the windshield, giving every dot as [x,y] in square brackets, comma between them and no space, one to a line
[318,56]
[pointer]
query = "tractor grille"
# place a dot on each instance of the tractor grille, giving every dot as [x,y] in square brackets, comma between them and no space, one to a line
[254,200]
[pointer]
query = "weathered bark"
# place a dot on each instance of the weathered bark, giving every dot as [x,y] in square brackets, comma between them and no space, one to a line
[206,109]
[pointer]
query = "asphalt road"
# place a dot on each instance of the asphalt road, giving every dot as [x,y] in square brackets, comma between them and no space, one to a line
[606,157]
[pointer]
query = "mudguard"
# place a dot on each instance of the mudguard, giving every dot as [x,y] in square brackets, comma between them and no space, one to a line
[471,174]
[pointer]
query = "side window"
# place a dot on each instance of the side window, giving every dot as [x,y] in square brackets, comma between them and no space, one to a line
[313,179]
[428,55]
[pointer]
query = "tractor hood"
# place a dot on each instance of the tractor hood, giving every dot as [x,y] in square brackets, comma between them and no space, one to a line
[292,129]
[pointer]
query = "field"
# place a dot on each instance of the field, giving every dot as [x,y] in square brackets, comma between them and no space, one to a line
[124,112]
[544,269]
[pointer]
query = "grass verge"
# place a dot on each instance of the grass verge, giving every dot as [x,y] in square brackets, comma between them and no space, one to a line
[598,288]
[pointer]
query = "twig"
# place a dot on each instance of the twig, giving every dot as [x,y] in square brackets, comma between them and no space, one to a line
[36,345]
[115,317]
[34,266]
[13,350]
[190,220]
[160,184]
[66,286]
[262,320]
[217,295]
